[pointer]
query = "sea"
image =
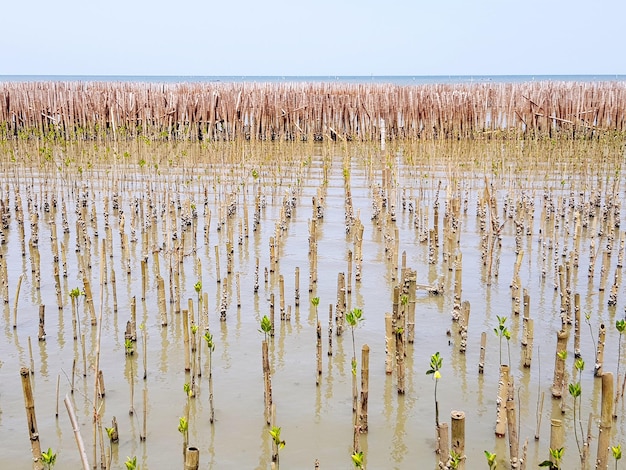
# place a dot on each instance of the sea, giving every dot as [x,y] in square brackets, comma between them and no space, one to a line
[404,80]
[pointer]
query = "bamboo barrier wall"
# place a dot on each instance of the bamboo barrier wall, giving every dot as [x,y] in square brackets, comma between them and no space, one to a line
[309,111]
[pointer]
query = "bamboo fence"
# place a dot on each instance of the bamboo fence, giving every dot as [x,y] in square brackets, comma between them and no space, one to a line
[309,111]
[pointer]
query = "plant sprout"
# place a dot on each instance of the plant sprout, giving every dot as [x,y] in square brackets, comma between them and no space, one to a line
[49,458]
[503,332]
[436,361]
[491,460]
[555,463]
[617,453]
[266,326]
[353,318]
[131,463]
[358,459]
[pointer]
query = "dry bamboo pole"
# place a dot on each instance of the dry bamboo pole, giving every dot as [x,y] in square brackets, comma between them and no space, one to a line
[42,322]
[267,382]
[597,370]
[217,264]
[144,427]
[577,325]
[17,296]
[161,300]
[186,344]
[363,402]
[511,419]
[557,436]
[31,420]
[457,429]
[559,363]
[389,344]
[77,435]
[503,384]
[330,329]
[192,458]
[606,421]
[443,444]
[297,287]
[483,348]
[32,360]
[318,348]
[527,349]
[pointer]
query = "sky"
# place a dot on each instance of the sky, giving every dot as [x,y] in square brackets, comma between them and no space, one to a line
[312,38]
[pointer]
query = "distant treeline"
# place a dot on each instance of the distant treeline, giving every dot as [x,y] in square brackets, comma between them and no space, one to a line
[310,111]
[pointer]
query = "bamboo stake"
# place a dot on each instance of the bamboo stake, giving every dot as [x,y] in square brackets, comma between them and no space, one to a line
[192,458]
[556,436]
[458,436]
[363,403]
[17,296]
[31,419]
[606,421]
[77,436]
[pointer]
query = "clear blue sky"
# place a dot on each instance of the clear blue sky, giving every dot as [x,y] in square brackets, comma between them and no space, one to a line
[322,37]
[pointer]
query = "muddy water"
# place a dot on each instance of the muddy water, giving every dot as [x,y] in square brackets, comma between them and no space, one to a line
[316,421]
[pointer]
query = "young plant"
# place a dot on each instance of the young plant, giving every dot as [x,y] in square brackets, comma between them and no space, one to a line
[358,459]
[49,459]
[593,340]
[129,347]
[556,455]
[266,326]
[454,460]
[208,337]
[198,288]
[183,428]
[436,361]
[353,318]
[131,463]
[491,460]
[316,301]
[617,453]
[503,332]
[278,443]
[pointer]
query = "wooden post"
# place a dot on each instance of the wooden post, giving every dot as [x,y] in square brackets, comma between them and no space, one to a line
[606,421]
[600,353]
[77,436]
[511,420]
[483,347]
[503,385]
[42,322]
[389,344]
[192,458]
[559,364]
[365,374]
[458,436]
[267,384]
[186,340]
[318,347]
[33,433]
[556,435]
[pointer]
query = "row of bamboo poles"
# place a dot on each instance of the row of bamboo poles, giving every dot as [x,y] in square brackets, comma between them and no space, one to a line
[309,111]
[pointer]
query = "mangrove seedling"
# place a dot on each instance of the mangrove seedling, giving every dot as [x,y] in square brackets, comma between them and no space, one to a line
[208,337]
[183,428]
[491,460]
[454,460]
[266,326]
[436,361]
[128,346]
[49,458]
[593,340]
[131,463]
[353,318]
[315,301]
[358,459]
[555,463]
[617,453]
[503,332]
[277,442]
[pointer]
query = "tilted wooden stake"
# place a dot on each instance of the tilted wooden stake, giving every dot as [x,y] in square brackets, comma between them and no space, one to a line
[31,420]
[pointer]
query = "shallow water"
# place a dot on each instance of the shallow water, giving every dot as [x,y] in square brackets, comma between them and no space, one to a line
[316,421]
